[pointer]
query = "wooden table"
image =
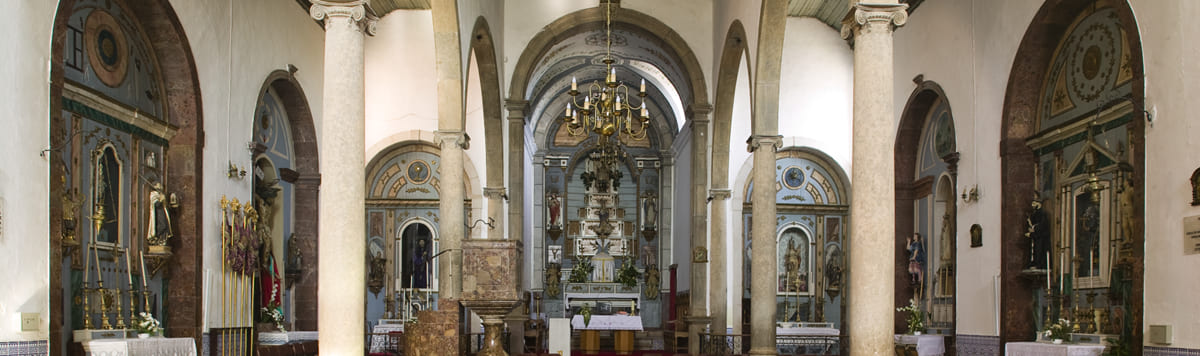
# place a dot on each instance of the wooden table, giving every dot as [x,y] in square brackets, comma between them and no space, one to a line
[622,326]
[1049,349]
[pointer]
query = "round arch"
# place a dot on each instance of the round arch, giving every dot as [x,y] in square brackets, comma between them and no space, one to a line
[182,103]
[1017,160]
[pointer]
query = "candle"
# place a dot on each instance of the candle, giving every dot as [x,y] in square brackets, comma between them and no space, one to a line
[643,87]
[142,257]
[87,264]
[574,86]
[568,112]
[128,269]
[1047,272]
[99,275]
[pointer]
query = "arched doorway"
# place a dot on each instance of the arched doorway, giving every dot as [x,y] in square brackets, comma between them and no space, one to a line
[1073,141]
[126,44]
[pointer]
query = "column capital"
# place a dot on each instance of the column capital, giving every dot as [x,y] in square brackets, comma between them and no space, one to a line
[495,193]
[459,138]
[354,11]
[758,141]
[719,194]
[869,16]
[698,112]
[516,109]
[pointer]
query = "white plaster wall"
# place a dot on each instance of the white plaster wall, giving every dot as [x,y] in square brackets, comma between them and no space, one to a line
[816,88]
[24,175]
[1168,33]
[231,71]
[531,17]
[724,13]
[681,16]
[401,77]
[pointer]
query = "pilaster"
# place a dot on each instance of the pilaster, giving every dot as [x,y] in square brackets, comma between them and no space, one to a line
[718,288]
[698,116]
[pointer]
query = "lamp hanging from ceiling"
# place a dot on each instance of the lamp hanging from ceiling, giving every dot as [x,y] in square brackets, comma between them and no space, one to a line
[607,107]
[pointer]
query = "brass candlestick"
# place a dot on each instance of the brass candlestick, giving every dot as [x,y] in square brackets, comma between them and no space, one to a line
[120,313]
[104,301]
[87,309]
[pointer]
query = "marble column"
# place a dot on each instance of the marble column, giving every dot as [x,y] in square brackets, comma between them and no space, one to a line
[718,288]
[495,197]
[516,181]
[873,208]
[341,292]
[762,245]
[452,213]
[698,318]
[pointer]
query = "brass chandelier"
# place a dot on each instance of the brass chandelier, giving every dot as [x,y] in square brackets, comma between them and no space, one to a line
[607,106]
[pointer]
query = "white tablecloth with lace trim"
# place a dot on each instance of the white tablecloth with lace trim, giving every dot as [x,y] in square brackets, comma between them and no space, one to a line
[155,346]
[381,338]
[1048,349]
[927,345]
[608,322]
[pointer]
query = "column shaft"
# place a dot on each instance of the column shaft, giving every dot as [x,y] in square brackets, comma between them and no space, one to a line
[762,246]
[698,309]
[516,189]
[342,244]
[495,199]
[718,287]
[452,214]
[872,209]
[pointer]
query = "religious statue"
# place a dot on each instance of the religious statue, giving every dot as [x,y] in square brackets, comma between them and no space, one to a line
[1038,231]
[159,229]
[1127,209]
[552,279]
[554,204]
[652,281]
[916,259]
[420,260]
[295,256]
[833,273]
[650,210]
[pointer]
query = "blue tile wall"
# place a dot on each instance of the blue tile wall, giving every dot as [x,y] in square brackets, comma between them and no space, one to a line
[977,345]
[1169,351]
[24,348]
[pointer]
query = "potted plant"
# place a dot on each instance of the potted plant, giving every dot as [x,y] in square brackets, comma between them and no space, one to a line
[916,318]
[147,325]
[582,271]
[1059,331]
[274,315]
[628,275]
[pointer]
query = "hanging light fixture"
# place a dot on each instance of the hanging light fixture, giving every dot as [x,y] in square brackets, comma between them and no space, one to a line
[607,107]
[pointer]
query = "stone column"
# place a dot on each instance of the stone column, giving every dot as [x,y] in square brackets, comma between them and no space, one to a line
[718,287]
[342,239]
[305,307]
[495,197]
[516,177]
[452,213]
[762,245]
[872,230]
[698,309]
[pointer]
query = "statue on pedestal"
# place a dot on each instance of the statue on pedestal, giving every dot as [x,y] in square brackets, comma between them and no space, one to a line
[1038,232]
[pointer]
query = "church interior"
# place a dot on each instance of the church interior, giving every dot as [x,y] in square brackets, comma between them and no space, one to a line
[532,177]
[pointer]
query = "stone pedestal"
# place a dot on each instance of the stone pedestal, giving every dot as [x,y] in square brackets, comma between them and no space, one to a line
[873,229]
[491,286]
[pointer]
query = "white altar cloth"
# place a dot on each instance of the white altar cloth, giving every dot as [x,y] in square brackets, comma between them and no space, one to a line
[155,346]
[381,343]
[806,331]
[608,322]
[927,345]
[1048,349]
[302,336]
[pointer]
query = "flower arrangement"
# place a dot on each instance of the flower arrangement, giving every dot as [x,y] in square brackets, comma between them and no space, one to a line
[147,324]
[916,318]
[1060,330]
[582,271]
[586,311]
[628,274]
[275,316]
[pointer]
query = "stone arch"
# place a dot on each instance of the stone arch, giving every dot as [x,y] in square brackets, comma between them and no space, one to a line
[169,44]
[586,19]
[921,104]
[731,58]
[306,163]
[470,175]
[484,50]
[1017,161]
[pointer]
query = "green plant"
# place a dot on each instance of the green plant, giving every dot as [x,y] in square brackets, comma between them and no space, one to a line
[1060,330]
[1118,347]
[274,315]
[586,311]
[582,271]
[916,318]
[628,275]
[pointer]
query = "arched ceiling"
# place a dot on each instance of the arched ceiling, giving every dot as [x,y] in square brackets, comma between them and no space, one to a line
[831,12]
[637,55]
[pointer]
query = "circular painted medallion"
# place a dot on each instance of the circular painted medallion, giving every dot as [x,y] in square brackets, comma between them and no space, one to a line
[793,177]
[107,50]
[418,172]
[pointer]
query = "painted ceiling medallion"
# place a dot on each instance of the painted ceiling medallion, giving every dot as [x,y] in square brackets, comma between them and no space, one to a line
[107,48]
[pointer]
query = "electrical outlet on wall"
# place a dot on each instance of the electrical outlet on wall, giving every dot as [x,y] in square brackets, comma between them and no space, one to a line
[29,321]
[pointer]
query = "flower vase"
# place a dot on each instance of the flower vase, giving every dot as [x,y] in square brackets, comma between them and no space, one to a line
[917,333]
[1058,341]
[143,336]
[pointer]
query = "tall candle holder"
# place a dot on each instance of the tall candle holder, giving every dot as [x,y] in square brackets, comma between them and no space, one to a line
[87,309]
[104,302]
[120,313]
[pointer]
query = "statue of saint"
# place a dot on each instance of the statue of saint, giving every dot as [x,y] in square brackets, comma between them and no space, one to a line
[1038,232]
[159,229]
[650,210]
[916,259]
[420,260]
[947,241]
[1128,220]
[554,204]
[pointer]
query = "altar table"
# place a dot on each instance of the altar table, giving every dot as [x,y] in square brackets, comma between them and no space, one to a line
[622,326]
[1048,349]
[806,340]
[155,346]
[927,345]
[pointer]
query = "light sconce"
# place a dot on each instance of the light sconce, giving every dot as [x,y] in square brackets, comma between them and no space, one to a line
[972,195]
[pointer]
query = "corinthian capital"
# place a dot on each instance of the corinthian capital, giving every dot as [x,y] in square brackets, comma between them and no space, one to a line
[758,141]
[459,138]
[353,11]
[872,17]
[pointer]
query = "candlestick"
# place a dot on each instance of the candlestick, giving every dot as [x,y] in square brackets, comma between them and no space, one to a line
[128,269]
[87,265]
[1047,272]
[142,257]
